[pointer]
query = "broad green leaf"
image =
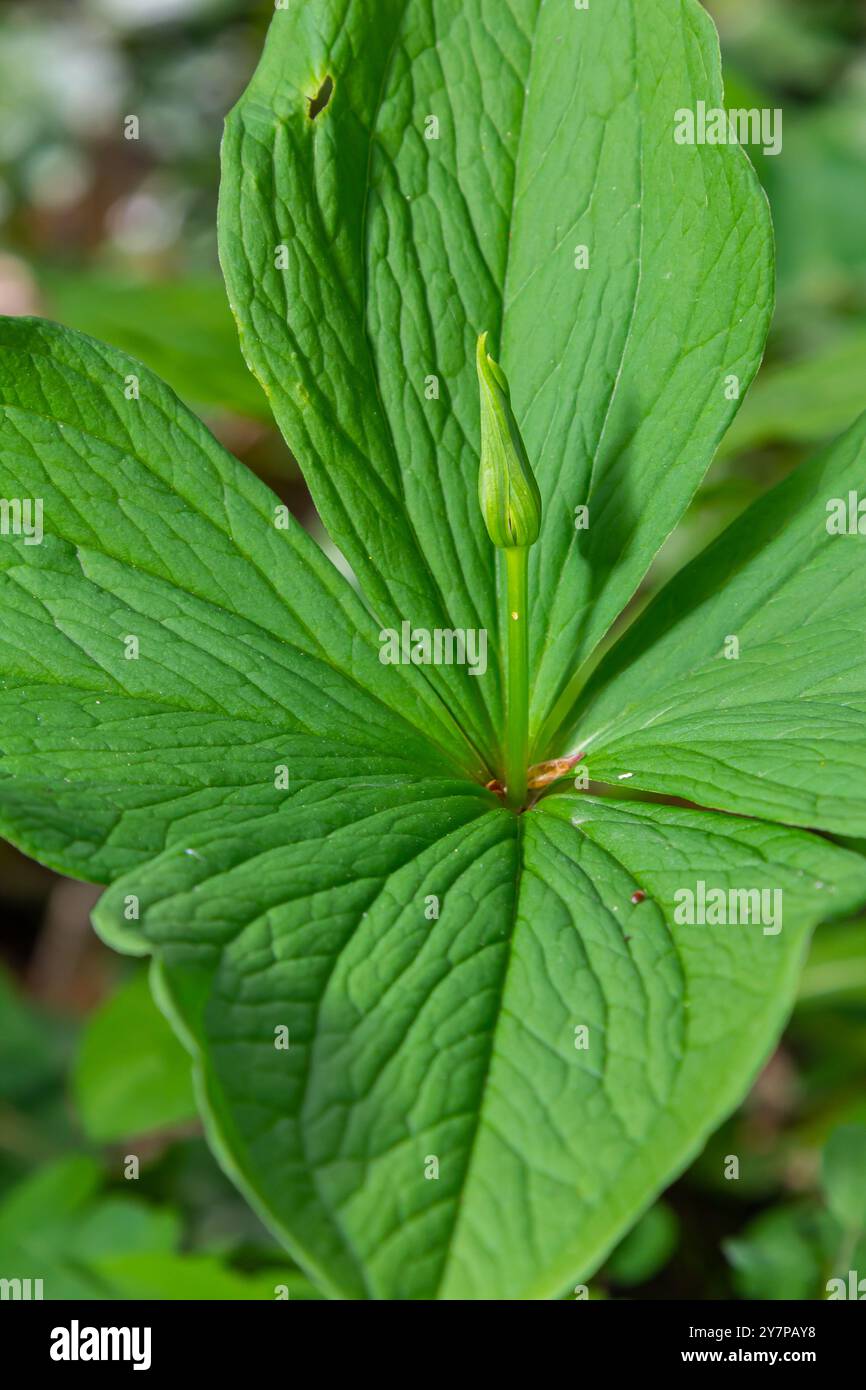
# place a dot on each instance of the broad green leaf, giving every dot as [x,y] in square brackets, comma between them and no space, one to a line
[446,1050]
[254,653]
[416,1039]
[131,1073]
[843,1176]
[780,730]
[183,330]
[413,1037]
[378,211]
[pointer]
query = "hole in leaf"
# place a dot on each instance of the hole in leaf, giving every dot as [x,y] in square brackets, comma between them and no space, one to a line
[321,99]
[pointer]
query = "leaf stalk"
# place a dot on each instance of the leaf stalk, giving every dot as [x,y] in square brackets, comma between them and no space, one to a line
[510,504]
[517,677]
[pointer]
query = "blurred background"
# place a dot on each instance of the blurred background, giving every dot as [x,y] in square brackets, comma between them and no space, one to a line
[115,235]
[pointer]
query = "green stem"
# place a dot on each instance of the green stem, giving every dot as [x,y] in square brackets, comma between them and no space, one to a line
[516,677]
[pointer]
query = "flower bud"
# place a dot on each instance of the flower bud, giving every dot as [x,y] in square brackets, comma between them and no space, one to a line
[507,490]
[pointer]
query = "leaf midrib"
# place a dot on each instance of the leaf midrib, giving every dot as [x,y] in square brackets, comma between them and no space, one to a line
[486,757]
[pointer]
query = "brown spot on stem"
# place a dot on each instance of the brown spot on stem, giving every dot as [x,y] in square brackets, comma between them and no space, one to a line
[542,774]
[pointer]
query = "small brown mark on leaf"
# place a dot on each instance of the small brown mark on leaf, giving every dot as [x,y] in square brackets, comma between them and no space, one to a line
[321,99]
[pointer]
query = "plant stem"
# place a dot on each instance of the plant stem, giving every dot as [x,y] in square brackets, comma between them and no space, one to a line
[516,677]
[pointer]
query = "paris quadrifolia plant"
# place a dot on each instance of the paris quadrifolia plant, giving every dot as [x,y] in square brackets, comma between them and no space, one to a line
[470,955]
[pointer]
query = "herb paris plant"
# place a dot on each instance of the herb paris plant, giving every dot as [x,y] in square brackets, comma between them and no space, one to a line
[503,1039]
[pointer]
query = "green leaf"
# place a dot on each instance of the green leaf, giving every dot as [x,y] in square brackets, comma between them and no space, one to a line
[780,731]
[364,248]
[131,1074]
[446,1050]
[253,652]
[453,1038]
[844,1176]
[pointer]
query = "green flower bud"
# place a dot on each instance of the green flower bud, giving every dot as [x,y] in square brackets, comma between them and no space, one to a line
[507,490]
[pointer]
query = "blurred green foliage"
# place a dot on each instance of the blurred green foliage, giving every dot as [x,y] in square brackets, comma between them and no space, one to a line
[131,1075]
[794,1251]
[181,329]
[71,1214]
[842,1177]
[645,1250]
[59,1225]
